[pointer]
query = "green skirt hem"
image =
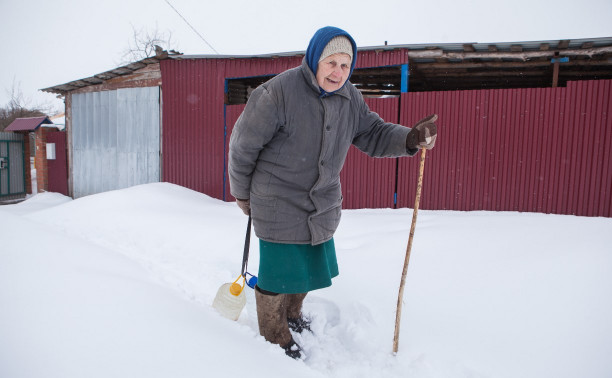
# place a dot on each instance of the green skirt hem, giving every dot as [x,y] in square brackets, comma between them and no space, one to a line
[296,268]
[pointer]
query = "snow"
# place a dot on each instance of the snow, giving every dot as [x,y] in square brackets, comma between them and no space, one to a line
[120,284]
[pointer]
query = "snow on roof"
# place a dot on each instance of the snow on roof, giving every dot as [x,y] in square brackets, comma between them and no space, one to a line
[59,121]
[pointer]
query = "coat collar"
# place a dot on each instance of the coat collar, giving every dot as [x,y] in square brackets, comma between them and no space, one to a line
[311,80]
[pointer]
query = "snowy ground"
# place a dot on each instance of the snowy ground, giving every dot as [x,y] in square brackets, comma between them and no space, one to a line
[120,284]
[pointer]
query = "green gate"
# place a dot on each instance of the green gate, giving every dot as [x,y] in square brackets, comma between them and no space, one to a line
[12,167]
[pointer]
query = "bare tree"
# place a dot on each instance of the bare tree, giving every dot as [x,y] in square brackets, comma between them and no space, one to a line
[20,107]
[144,42]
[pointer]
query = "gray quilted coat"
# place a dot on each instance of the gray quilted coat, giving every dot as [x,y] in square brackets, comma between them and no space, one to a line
[288,147]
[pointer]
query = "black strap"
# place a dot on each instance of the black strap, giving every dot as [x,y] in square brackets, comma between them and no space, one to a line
[247,244]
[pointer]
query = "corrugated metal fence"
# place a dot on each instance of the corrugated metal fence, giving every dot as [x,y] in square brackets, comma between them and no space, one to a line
[193,124]
[541,150]
[535,150]
[370,182]
[196,123]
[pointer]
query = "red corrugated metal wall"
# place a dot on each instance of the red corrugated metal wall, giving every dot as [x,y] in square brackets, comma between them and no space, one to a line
[516,149]
[536,150]
[368,182]
[232,114]
[192,124]
[375,58]
[193,131]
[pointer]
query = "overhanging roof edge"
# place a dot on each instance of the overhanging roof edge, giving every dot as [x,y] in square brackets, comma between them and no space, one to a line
[416,46]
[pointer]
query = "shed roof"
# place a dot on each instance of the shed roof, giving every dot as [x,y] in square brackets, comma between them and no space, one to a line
[433,50]
[100,78]
[28,124]
[447,66]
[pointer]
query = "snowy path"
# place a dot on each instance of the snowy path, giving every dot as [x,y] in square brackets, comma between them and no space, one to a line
[120,284]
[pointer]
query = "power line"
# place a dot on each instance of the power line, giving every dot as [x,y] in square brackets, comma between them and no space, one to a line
[187,22]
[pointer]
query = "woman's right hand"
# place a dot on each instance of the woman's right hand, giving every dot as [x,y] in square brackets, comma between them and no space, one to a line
[244,205]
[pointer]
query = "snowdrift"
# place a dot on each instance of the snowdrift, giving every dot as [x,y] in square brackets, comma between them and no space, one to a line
[120,284]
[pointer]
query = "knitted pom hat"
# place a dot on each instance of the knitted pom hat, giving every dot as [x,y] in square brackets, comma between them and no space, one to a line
[339,44]
[319,42]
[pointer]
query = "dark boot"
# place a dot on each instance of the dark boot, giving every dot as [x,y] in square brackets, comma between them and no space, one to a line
[272,319]
[296,320]
[293,350]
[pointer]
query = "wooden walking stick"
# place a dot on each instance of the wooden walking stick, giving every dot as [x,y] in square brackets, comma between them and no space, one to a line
[400,296]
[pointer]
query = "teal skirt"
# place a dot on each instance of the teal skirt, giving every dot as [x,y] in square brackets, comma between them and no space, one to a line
[296,268]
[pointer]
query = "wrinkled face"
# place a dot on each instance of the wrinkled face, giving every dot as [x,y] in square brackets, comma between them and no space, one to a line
[333,71]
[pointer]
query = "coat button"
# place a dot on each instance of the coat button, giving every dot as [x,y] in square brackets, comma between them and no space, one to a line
[321,162]
[328,128]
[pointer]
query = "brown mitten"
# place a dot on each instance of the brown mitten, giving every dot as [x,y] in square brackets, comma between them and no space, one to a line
[423,133]
[244,205]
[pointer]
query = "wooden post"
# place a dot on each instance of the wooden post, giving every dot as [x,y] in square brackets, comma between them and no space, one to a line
[400,296]
[555,80]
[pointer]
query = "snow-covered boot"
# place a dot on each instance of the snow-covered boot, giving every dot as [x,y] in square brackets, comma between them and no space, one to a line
[293,350]
[299,324]
[272,319]
[296,320]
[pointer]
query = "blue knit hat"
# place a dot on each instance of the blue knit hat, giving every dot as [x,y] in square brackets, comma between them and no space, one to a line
[318,42]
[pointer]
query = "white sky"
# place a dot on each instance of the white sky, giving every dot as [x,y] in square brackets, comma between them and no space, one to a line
[45,43]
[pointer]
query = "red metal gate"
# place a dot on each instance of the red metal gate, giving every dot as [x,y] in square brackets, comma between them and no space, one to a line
[57,165]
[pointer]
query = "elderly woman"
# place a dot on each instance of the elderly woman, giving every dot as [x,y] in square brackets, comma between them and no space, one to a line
[286,152]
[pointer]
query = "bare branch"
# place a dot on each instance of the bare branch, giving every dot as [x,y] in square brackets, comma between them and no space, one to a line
[20,107]
[142,44]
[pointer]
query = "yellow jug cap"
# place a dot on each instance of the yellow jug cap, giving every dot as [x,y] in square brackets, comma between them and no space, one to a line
[235,289]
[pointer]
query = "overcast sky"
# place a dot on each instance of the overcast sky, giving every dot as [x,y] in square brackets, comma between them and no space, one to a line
[45,43]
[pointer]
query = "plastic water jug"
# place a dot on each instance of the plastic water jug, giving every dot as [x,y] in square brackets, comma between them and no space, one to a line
[230,300]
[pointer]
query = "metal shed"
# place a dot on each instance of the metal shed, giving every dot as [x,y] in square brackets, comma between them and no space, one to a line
[113,126]
[489,96]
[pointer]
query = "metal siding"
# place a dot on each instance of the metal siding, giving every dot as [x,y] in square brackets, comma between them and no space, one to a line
[16,167]
[569,158]
[583,150]
[378,58]
[236,68]
[193,124]
[606,198]
[232,114]
[370,182]
[599,173]
[194,140]
[193,90]
[115,139]
[536,150]
[366,182]
[415,107]
[498,150]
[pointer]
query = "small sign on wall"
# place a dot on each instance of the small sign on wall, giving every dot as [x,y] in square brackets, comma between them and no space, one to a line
[50,151]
